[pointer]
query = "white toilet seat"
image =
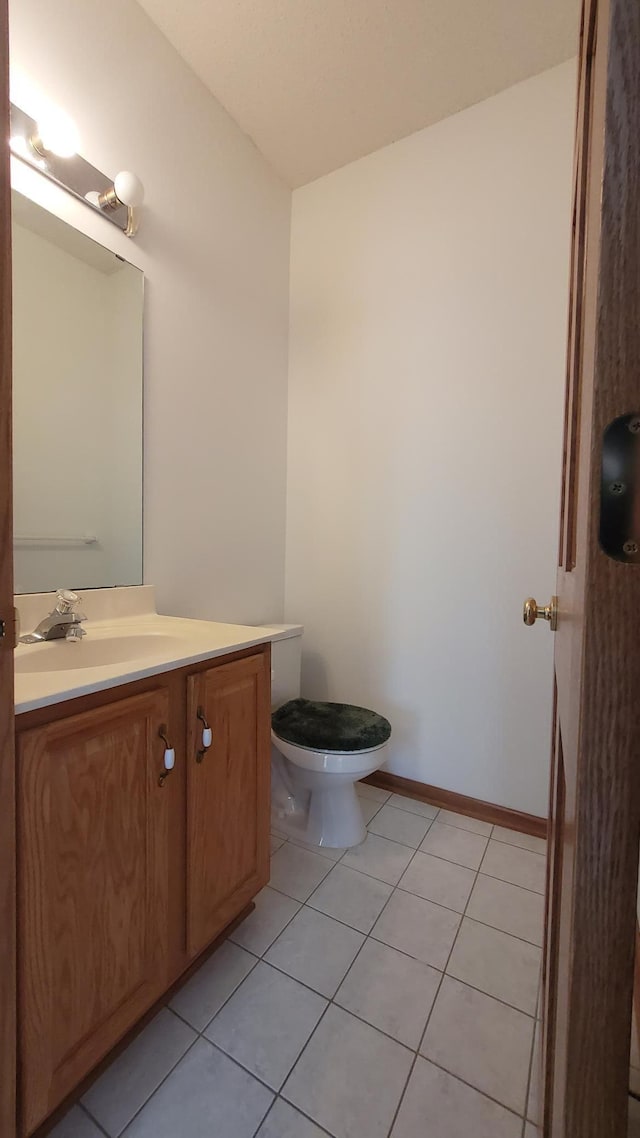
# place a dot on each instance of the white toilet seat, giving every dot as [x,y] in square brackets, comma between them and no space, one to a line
[333,762]
[315,787]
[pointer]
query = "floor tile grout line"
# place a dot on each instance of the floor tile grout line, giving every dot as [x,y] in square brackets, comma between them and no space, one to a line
[220,1048]
[287,1103]
[363,787]
[530,1077]
[472,1086]
[420,897]
[309,988]
[428,853]
[515,884]
[426,1026]
[154,1091]
[299,1057]
[330,1001]
[89,1115]
[446,973]
[477,873]
[437,816]
[487,837]
[325,861]
[458,830]
[420,1041]
[200,1034]
[453,825]
[260,956]
[418,849]
[458,912]
[510,842]
[265,1116]
[533,853]
[439,857]
[465,829]
[226,1000]
[405,845]
[376,940]
[491,996]
[384,837]
[397,806]
[462,920]
[530,1072]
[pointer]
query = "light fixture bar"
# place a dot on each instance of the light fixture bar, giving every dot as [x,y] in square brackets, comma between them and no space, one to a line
[73,174]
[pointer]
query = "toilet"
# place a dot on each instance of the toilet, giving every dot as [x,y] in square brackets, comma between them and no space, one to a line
[320,751]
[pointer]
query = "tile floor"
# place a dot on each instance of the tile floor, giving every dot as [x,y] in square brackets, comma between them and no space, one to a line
[389,990]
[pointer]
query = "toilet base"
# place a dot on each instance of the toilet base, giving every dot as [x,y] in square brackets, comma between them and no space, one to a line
[316,807]
[330,818]
[335,818]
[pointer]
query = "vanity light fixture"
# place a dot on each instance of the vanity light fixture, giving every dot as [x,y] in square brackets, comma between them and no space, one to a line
[51,144]
[56,133]
[127,190]
[21,147]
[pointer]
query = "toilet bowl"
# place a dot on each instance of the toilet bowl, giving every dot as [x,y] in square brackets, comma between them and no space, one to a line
[313,795]
[320,804]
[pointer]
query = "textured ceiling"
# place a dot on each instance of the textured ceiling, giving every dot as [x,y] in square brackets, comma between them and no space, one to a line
[318,83]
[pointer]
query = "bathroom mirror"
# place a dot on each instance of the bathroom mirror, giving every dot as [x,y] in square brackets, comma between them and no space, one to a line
[77,408]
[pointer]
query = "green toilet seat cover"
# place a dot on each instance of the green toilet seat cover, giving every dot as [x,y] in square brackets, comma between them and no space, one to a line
[329,726]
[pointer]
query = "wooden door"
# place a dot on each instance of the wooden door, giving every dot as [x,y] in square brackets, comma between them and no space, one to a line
[93,854]
[595,791]
[7,766]
[228,794]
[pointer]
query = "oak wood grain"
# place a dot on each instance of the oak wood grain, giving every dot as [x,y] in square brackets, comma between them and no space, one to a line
[637,988]
[247,716]
[596,802]
[228,794]
[88,1081]
[93,847]
[7,766]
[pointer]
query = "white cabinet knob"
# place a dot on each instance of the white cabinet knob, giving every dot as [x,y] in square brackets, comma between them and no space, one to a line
[169,756]
[207,735]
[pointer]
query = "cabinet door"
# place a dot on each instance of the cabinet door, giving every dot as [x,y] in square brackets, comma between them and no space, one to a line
[92,890]
[228,794]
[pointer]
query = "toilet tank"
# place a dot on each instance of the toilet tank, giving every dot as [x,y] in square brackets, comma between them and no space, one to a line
[286,651]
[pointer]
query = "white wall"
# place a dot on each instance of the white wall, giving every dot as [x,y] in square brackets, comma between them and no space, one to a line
[428,314]
[214,246]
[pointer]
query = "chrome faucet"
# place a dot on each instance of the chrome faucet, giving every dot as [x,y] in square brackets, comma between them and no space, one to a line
[64,622]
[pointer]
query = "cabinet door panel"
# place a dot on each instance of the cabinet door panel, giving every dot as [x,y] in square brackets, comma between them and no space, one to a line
[228,795]
[93,857]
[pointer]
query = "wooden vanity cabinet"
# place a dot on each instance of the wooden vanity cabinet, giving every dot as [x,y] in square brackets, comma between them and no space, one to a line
[122,882]
[93,847]
[227,830]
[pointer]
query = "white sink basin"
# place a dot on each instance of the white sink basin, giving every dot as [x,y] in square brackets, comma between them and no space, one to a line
[63,656]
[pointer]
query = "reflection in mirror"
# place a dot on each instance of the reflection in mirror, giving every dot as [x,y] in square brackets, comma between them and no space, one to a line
[77,408]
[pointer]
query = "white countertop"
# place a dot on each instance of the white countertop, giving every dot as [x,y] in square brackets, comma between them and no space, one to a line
[47,673]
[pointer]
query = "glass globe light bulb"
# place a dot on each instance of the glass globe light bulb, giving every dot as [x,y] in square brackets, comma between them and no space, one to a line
[57,134]
[129,188]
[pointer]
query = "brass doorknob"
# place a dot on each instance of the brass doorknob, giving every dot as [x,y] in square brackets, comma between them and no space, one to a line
[533,612]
